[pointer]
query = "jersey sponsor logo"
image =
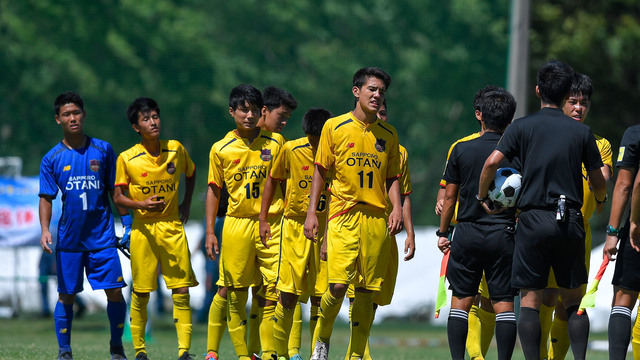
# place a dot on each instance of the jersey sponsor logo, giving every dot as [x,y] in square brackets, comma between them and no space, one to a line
[380,145]
[94,165]
[171,168]
[621,153]
[158,186]
[66,168]
[363,159]
[265,154]
[306,167]
[84,182]
[251,172]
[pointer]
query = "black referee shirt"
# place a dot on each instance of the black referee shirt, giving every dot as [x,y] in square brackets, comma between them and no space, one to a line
[629,155]
[551,148]
[463,168]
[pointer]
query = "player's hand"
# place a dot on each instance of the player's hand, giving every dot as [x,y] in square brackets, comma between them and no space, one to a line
[634,234]
[439,206]
[211,245]
[311,227]
[126,236]
[444,244]
[323,250]
[153,204]
[599,208]
[395,221]
[184,211]
[45,241]
[492,207]
[409,248]
[265,232]
[610,249]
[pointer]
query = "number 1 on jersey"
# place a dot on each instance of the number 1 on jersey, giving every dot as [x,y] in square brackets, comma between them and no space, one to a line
[83,196]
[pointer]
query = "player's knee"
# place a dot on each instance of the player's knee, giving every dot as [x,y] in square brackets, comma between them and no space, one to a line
[182,290]
[67,299]
[114,295]
[338,290]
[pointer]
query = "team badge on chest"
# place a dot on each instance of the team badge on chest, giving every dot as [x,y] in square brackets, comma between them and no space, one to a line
[265,154]
[171,168]
[380,145]
[94,165]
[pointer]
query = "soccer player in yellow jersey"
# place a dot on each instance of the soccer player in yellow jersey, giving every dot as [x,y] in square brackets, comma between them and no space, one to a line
[150,173]
[363,155]
[299,257]
[482,318]
[556,331]
[241,161]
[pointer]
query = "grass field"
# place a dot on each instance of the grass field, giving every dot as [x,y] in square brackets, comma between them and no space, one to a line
[31,337]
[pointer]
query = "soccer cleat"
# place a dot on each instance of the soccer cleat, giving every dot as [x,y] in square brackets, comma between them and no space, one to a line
[255,357]
[142,356]
[186,356]
[296,357]
[320,351]
[65,355]
[117,353]
[211,356]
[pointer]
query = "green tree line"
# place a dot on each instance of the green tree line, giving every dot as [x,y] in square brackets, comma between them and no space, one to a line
[188,54]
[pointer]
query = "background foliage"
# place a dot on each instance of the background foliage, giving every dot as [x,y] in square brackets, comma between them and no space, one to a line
[188,54]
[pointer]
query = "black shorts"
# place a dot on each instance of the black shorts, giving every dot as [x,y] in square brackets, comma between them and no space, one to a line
[543,242]
[627,273]
[476,248]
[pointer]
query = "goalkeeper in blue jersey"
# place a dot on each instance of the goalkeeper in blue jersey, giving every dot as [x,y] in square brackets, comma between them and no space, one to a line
[82,169]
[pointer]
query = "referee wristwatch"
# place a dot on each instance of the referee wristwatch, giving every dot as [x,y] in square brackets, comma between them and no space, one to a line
[611,231]
[442,233]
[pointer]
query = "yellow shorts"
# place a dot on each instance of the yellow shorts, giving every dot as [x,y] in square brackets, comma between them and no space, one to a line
[243,257]
[587,256]
[160,242]
[299,259]
[385,295]
[357,249]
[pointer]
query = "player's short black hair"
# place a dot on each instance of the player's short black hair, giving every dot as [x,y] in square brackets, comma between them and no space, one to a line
[477,99]
[314,120]
[498,107]
[554,81]
[361,76]
[581,85]
[142,105]
[245,93]
[274,97]
[68,97]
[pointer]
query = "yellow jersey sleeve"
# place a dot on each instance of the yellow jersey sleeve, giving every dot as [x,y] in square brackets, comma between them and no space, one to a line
[146,175]
[589,201]
[405,178]
[244,168]
[362,156]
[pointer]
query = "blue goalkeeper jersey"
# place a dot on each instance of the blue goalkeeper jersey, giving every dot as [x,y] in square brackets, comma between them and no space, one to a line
[84,177]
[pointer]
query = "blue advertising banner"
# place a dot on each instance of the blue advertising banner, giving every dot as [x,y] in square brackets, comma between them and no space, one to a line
[19,222]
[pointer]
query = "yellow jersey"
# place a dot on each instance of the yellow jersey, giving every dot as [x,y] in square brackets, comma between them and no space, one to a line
[405,178]
[295,166]
[147,175]
[589,200]
[244,168]
[361,158]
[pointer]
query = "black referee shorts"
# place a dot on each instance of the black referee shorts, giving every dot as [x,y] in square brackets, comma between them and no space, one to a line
[627,273]
[476,248]
[543,242]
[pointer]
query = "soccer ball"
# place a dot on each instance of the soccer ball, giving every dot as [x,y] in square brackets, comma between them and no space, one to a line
[505,188]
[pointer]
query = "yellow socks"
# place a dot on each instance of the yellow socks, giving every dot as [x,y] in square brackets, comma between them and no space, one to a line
[253,343]
[559,339]
[282,327]
[266,331]
[329,309]
[237,320]
[182,320]
[546,316]
[138,319]
[314,314]
[295,334]
[361,319]
[217,323]
[474,347]
[487,329]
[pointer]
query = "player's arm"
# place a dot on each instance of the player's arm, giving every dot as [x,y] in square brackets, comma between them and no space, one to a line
[634,218]
[448,208]
[211,209]
[267,197]
[126,221]
[410,241]
[598,185]
[149,204]
[317,184]
[488,173]
[44,210]
[621,192]
[184,209]
[440,200]
[395,217]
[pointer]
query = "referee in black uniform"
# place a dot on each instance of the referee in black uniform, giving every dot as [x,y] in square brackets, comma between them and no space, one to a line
[552,148]
[482,242]
[626,278]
